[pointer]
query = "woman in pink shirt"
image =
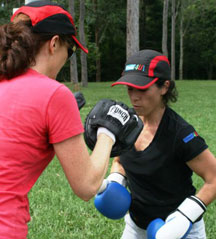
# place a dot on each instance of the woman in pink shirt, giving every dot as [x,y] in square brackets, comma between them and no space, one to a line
[39,116]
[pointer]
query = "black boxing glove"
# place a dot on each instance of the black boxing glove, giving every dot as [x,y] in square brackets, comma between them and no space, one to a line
[117,118]
[80,99]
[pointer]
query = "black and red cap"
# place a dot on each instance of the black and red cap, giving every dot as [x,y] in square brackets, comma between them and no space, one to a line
[144,68]
[49,17]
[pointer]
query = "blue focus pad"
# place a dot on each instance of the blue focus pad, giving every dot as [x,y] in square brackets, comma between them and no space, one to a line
[114,201]
[153,227]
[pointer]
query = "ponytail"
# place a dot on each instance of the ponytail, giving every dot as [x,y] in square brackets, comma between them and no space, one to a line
[17,48]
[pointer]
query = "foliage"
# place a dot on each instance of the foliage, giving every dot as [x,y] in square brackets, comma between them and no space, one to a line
[6,10]
[58,214]
[200,45]
[110,19]
[151,24]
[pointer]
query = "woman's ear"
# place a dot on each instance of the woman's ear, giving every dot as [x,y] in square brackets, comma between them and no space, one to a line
[54,43]
[165,87]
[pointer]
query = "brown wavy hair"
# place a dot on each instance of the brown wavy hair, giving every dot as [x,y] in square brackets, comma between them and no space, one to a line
[19,45]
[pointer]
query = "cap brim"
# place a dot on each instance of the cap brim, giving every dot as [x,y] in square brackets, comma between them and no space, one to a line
[136,81]
[79,44]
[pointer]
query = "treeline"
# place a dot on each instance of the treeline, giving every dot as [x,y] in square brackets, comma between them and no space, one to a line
[105,26]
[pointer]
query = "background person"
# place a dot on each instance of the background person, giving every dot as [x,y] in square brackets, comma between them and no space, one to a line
[160,165]
[39,117]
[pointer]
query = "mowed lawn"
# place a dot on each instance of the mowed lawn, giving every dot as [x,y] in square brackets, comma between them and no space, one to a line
[58,214]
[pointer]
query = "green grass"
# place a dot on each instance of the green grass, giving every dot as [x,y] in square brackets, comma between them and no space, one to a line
[58,214]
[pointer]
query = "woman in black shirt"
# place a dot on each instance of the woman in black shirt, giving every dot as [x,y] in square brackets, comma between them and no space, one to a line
[160,165]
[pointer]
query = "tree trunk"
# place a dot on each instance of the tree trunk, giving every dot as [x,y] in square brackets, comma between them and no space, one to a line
[181,56]
[173,41]
[97,42]
[184,24]
[98,60]
[83,57]
[73,60]
[132,27]
[165,32]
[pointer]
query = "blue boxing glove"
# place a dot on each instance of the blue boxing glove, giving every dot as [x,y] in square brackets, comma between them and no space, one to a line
[113,199]
[179,223]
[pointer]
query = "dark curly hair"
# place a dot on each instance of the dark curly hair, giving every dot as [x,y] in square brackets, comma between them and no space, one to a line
[171,94]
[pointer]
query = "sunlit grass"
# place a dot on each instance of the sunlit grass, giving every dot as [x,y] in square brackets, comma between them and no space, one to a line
[58,214]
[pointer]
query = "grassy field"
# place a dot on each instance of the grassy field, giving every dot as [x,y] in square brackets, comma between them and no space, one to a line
[58,214]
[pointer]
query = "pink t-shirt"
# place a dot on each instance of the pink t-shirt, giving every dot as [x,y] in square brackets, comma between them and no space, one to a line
[35,112]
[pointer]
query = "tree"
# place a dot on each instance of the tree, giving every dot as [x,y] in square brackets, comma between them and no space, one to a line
[150,25]
[83,57]
[73,60]
[132,27]
[106,31]
[186,14]
[97,41]
[106,34]
[173,40]
[164,27]
[200,46]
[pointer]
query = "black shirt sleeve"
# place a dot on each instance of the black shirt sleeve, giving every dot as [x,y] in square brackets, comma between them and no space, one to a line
[189,143]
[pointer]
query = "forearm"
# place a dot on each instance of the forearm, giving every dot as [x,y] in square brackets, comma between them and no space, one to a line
[84,173]
[95,169]
[207,193]
[100,160]
[117,167]
[204,165]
